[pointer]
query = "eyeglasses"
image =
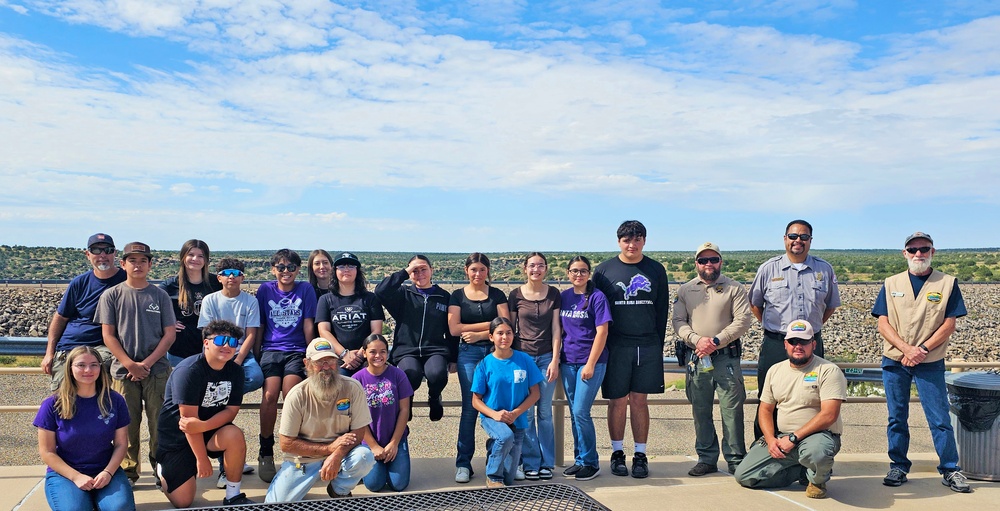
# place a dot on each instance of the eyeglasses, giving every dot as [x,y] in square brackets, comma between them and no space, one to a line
[578,271]
[804,237]
[81,367]
[101,250]
[707,260]
[286,267]
[798,342]
[346,267]
[231,272]
[922,250]
[537,266]
[222,340]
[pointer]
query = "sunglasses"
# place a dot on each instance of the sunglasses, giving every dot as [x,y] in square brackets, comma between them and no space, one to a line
[100,250]
[922,250]
[230,272]
[222,340]
[707,260]
[286,267]
[803,237]
[798,342]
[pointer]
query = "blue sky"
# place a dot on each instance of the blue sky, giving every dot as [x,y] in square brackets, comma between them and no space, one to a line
[500,125]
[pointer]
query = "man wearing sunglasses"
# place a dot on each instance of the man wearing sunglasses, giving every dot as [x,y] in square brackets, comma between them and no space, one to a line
[790,287]
[203,396]
[711,313]
[806,392]
[916,312]
[73,322]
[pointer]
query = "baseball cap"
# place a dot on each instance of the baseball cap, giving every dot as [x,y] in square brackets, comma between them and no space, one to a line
[100,238]
[917,235]
[136,247]
[347,258]
[708,245]
[320,348]
[799,329]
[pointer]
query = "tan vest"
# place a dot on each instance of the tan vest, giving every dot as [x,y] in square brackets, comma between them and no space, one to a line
[916,319]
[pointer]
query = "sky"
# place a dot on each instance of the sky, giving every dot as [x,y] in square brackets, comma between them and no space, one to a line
[498,125]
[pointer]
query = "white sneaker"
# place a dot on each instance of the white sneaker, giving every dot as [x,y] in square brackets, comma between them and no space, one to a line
[247,469]
[462,475]
[221,484]
[519,475]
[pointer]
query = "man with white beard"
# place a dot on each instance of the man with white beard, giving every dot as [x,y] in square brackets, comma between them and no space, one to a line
[322,424]
[916,312]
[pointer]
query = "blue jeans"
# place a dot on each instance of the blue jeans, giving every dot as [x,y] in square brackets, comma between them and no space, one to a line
[290,484]
[253,376]
[503,450]
[469,356]
[63,495]
[395,475]
[929,377]
[540,438]
[581,395]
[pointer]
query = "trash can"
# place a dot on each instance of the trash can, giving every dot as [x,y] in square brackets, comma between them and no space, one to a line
[974,399]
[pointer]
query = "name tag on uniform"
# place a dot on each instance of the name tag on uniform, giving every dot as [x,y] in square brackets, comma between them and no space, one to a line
[897,294]
[776,279]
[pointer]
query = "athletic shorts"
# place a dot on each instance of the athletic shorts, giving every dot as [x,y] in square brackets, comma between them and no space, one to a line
[633,369]
[283,363]
[178,465]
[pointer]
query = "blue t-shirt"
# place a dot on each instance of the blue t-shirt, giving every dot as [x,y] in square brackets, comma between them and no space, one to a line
[282,314]
[85,441]
[505,383]
[954,309]
[579,325]
[79,303]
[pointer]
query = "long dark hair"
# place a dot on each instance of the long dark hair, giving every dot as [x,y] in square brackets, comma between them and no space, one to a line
[478,257]
[185,298]
[309,265]
[590,282]
[360,284]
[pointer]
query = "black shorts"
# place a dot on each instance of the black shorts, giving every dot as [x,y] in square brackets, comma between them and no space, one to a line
[633,369]
[179,465]
[283,363]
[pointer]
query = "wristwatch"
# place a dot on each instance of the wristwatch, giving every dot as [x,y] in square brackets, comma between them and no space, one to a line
[715,340]
[793,439]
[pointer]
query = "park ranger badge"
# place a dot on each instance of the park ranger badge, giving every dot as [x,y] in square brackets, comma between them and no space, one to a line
[819,275]
[934,297]
[718,288]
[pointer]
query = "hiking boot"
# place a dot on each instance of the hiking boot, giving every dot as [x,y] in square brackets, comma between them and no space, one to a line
[701,469]
[494,484]
[587,473]
[237,500]
[895,477]
[618,466]
[572,470]
[956,481]
[816,491]
[640,467]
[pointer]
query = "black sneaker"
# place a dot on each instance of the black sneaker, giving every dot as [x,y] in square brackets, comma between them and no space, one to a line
[640,468]
[587,473]
[895,477]
[237,500]
[618,466]
[572,470]
[701,469]
[436,408]
[956,481]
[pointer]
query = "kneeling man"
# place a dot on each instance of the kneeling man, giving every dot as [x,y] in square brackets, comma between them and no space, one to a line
[807,392]
[203,396]
[323,421]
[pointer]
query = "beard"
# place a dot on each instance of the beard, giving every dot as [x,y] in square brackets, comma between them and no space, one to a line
[325,384]
[800,361]
[709,276]
[919,267]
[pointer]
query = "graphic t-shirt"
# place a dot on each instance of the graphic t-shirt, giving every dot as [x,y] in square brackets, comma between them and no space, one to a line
[193,382]
[384,393]
[282,315]
[140,317]
[85,441]
[350,317]
[579,325]
[639,300]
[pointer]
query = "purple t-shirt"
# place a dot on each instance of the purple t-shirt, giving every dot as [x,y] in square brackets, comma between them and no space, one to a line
[282,315]
[579,325]
[85,441]
[384,393]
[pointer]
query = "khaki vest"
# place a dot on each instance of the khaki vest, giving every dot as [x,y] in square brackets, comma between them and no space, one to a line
[916,319]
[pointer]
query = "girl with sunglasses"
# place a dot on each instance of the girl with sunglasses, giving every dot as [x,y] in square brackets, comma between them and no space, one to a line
[192,283]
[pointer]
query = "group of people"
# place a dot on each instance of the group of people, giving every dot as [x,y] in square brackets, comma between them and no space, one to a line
[347,391]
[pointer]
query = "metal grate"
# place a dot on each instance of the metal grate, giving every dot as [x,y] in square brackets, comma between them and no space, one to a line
[536,497]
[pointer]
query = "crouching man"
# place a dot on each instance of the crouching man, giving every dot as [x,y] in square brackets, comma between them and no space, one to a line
[808,392]
[322,424]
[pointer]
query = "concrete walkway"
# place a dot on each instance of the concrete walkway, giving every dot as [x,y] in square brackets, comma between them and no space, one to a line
[856,484]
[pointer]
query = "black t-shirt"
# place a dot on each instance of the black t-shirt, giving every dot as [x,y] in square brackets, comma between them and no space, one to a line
[478,311]
[639,299]
[189,341]
[194,382]
[350,317]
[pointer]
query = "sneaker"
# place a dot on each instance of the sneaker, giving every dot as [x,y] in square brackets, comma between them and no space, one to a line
[436,408]
[131,482]
[733,467]
[544,474]
[463,475]
[237,500]
[519,473]
[895,477]
[618,466]
[221,483]
[587,473]
[701,469]
[640,468]
[531,475]
[333,494]
[494,484]
[265,468]
[572,470]
[956,481]
[247,469]
[816,491]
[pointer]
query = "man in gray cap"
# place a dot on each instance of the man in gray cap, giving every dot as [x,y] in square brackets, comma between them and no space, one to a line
[73,322]
[711,313]
[916,312]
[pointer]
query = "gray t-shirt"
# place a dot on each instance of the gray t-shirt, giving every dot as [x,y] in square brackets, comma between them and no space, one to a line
[242,310]
[140,317]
